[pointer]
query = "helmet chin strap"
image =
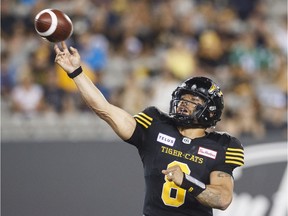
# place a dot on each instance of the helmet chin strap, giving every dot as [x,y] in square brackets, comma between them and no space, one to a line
[190,121]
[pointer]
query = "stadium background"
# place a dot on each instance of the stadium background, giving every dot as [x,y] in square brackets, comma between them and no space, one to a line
[57,158]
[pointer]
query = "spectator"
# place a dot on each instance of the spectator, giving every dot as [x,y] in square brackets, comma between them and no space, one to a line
[179,60]
[130,94]
[54,97]
[6,80]
[27,96]
[167,81]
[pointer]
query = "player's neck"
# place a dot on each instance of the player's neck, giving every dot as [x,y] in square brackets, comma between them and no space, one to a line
[192,133]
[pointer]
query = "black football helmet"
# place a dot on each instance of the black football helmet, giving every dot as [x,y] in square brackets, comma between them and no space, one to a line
[204,116]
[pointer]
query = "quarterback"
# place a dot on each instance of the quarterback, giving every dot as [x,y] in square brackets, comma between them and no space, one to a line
[188,171]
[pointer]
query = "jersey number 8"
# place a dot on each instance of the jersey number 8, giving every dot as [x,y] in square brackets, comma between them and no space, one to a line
[167,196]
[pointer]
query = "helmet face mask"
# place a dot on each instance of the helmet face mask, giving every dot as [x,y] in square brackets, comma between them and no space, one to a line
[204,115]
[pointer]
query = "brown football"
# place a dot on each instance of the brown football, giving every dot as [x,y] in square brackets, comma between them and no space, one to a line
[53,25]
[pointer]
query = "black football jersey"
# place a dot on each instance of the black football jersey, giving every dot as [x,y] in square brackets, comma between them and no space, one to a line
[161,145]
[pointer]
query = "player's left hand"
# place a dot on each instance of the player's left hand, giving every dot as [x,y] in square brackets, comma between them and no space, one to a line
[174,174]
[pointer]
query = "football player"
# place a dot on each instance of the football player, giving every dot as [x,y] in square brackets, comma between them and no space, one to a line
[188,171]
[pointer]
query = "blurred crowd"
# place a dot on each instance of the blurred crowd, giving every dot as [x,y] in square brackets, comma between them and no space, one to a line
[138,51]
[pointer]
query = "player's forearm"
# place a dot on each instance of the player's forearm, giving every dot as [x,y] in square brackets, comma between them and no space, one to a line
[91,94]
[215,196]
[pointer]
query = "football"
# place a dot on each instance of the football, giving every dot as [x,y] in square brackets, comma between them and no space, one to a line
[53,25]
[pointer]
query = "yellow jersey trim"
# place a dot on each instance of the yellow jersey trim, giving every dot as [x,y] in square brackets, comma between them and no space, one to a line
[142,123]
[235,158]
[235,154]
[235,150]
[143,119]
[234,162]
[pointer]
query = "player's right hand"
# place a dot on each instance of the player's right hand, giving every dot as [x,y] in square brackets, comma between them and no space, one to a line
[174,174]
[69,60]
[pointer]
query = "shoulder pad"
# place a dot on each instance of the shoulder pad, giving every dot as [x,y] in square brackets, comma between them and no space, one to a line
[225,139]
[234,151]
